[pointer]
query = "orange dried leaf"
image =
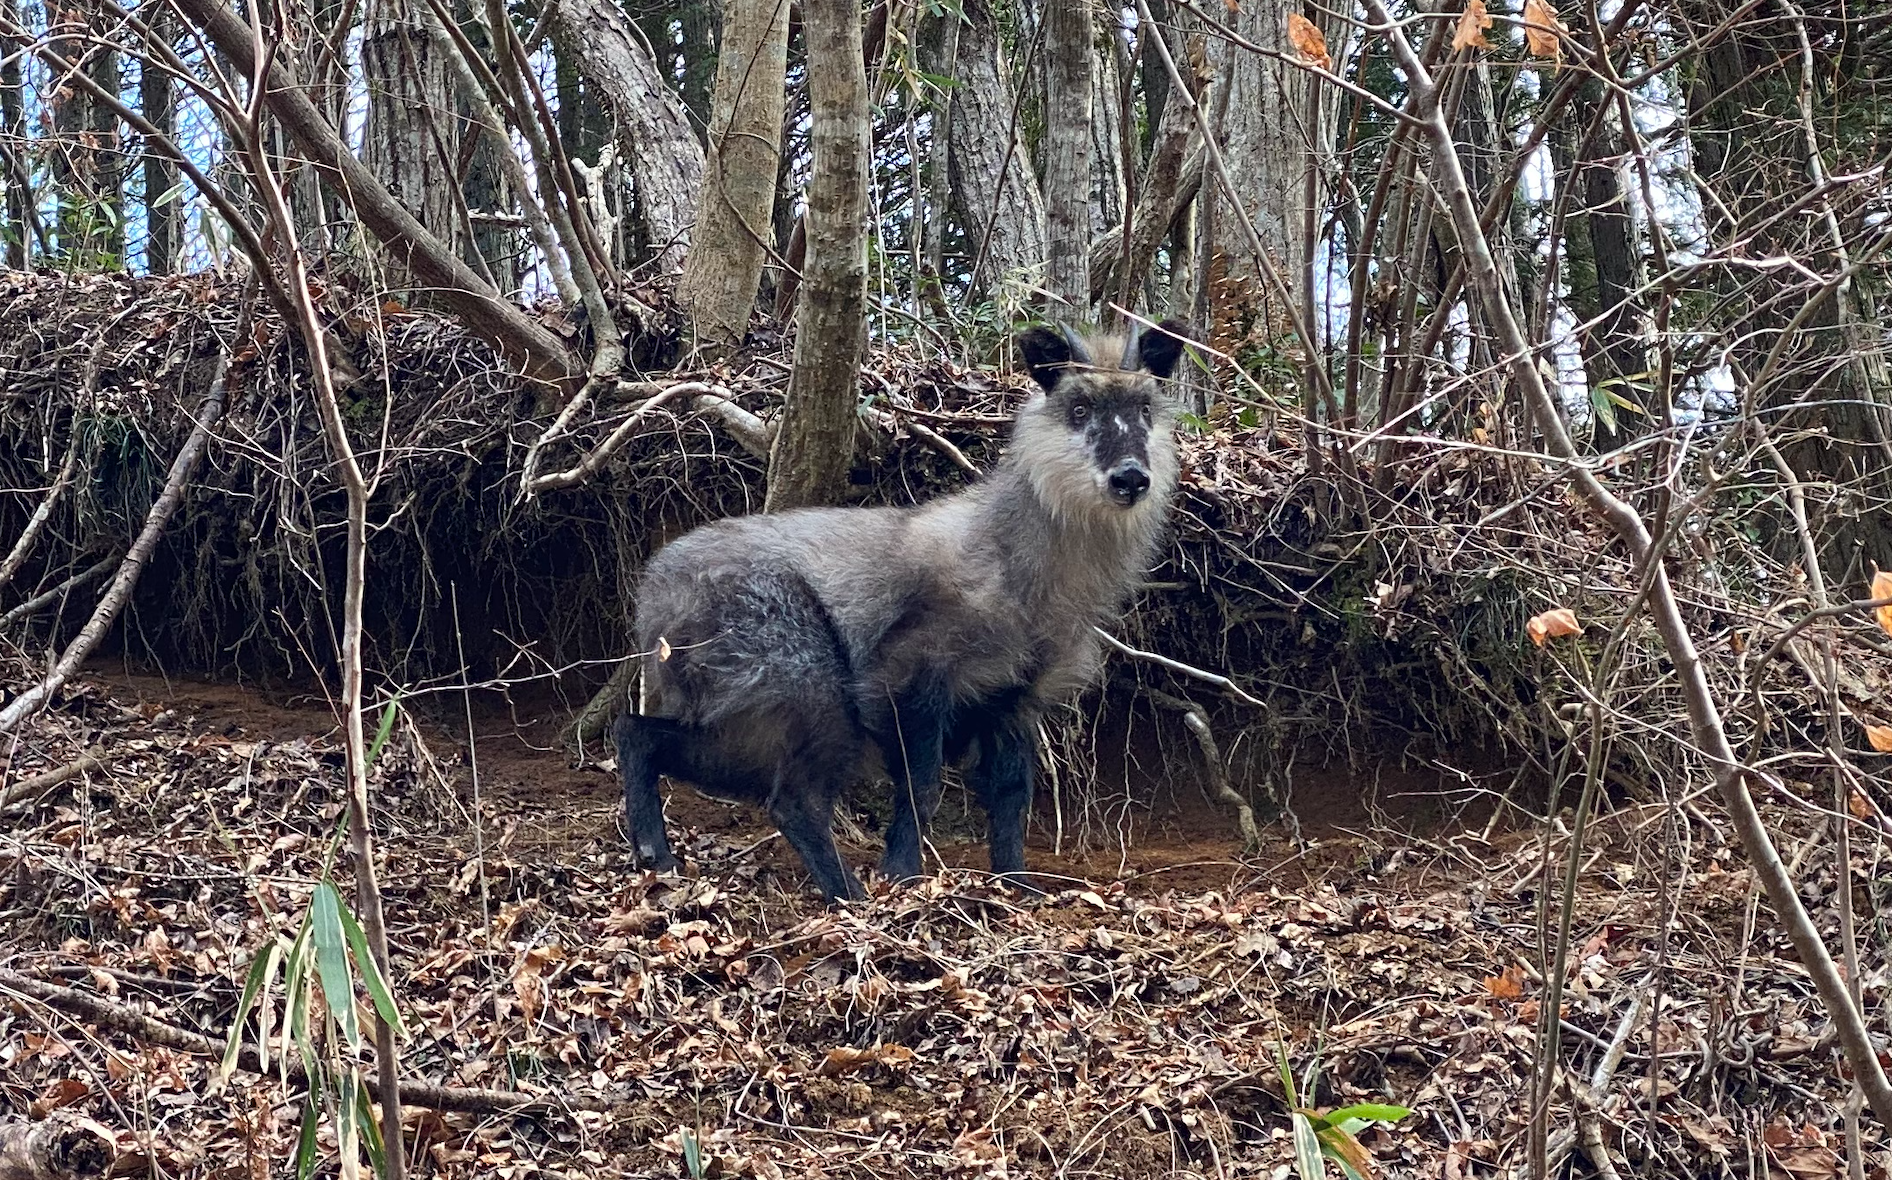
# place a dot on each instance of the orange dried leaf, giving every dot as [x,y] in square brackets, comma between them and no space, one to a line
[1472,24]
[847,1060]
[663,650]
[1553,624]
[1880,736]
[1541,27]
[1307,41]
[58,1096]
[1508,986]
[1881,589]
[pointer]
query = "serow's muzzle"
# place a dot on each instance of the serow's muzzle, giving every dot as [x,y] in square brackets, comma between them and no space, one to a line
[1128,481]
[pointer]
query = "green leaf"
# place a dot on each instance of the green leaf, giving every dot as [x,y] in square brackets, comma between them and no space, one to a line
[1287,1073]
[168,195]
[347,1128]
[295,998]
[370,1130]
[371,973]
[1307,1153]
[306,1157]
[692,1153]
[1605,412]
[331,960]
[1372,1112]
[387,727]
[265,1011]
[254,984]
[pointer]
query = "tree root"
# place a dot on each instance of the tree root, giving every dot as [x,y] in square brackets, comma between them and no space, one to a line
[46,598]
[597,714]
[1219,788]
[119,592]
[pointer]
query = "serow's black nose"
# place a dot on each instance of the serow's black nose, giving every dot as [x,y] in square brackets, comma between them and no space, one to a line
[1128,482]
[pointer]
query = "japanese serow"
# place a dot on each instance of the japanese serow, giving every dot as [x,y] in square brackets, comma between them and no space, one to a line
[779,650]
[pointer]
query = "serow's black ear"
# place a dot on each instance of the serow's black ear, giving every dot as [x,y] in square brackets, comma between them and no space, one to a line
[1048,352]
[1159,348]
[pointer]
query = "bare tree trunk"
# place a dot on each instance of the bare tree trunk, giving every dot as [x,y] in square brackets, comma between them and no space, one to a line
[541,353]
[13,146]
[938,191]
[1068,95]
[702,43]
[1602,271]
[409,141]
[163,203]
[1154,77]
[1831,384]
[496,245]
[1168,185]
[1261,127]
[1109,186]
[814,446]
[653,130]
[1481,145]
[724,267]
[86,162]
[995,195]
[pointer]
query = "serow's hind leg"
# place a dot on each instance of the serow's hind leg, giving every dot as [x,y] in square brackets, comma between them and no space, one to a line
[912,751]
[803,808]
[646,745]
[1002,780]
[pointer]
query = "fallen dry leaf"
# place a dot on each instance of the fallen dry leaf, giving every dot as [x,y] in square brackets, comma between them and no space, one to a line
[1553,624]
[1541,29]
[1308,43]
[1809,1163]
[847,1060]
[1472,24]
[1506,986]
[1882,589]
[1880,736]
[60,1094]
[975,1152]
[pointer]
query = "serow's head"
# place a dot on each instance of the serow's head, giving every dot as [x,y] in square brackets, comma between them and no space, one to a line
[1100,434]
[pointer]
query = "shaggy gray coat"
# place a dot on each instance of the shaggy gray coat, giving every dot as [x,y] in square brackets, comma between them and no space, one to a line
[773,640]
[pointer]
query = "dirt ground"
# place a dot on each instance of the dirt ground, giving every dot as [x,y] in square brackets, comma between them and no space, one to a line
[1129,1023]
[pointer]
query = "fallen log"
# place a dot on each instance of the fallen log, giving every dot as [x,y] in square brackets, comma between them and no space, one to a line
[63,1146]
[29,790]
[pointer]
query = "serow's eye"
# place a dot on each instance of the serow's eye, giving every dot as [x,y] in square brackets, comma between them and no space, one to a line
[1080,413]
[1145,410]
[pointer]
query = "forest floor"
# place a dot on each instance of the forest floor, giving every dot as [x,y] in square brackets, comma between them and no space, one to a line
[1131,1022]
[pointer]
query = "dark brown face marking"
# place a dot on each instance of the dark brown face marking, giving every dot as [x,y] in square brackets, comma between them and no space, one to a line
[1113,413]
[1109,406]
